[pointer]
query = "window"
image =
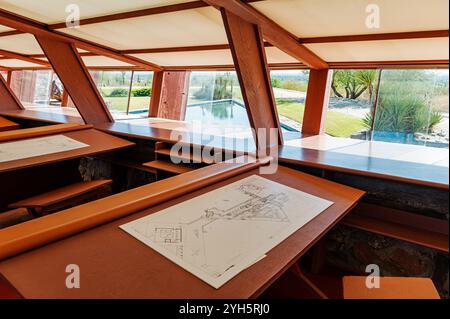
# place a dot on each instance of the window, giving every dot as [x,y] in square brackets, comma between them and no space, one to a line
[215,99]
[39,87]
[290,88]
[4,74]
[396,106]
[125,92]
[353,94]
[114,86]
[141,92]
[413,108]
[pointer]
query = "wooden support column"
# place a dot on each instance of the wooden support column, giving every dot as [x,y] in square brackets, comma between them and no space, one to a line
[8,100]
[67,63]
[317,99]
[9,78]
[247,47]
[170,94]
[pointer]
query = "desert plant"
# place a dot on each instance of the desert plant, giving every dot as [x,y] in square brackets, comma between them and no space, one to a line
[402,112]
[353,82]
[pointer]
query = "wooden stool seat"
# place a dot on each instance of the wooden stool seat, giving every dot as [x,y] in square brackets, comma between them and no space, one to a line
[390,288]
[14,217]
[61,197]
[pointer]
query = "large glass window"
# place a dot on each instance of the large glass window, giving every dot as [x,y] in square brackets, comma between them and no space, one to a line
[37,88]
[396,106]
[125,92]
[413,108]
[353,94]
[290,88]
[215,99]
[114,86]
[141,92]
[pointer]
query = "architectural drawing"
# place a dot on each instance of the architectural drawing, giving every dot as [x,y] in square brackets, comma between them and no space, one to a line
[37,146]
[217,235]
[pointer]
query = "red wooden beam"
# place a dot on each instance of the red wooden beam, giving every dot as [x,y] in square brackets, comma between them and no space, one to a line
[22,57]
[317,99]
[72,72]
[247,47]
[8,100]
[272,32]
[170,95]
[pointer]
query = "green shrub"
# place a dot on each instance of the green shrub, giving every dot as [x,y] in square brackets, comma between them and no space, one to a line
[118,92]
[141,92]
[402,111]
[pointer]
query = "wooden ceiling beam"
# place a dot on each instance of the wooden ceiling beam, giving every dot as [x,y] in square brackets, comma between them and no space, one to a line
[249,56]
[68,65]
[30,26]
[22,57]
[378,37]
[272,32]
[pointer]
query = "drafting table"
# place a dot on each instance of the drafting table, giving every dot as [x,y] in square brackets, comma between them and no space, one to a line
[115,265]
[96,141]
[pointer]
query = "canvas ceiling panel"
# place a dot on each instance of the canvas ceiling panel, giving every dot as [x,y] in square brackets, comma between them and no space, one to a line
[101,61]
[275,55]
[195,58]
[392,50]
[13,63]
[317,18]
[54,11]
[4,29]
[22,43]
[186,28]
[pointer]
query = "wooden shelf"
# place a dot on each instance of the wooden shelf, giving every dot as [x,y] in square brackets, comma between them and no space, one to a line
[193,157]
[406,233]
[169,167]
[60,195]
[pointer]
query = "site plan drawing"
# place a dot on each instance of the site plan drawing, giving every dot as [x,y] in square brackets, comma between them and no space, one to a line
[217,235]
[37,146]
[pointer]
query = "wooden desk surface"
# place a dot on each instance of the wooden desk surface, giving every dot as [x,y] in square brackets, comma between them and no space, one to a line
[158,133]
[115,265]
[6,125]
[409,172]
[98,142]
[41,116]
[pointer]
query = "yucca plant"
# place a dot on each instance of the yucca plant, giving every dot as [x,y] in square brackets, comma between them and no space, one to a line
[402,112]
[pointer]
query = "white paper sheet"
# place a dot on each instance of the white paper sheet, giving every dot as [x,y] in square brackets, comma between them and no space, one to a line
[219,234]
[37,146]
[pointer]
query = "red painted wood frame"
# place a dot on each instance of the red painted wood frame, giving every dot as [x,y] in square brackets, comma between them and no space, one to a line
[247,48]
[272,32]
[317,99]
[170,95]
[72,72]
[8,100]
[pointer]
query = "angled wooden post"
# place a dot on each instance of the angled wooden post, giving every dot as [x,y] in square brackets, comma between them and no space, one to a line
[67,63]
[8,100]
[247,47]
[9,77]
[170,94]
[317,99]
